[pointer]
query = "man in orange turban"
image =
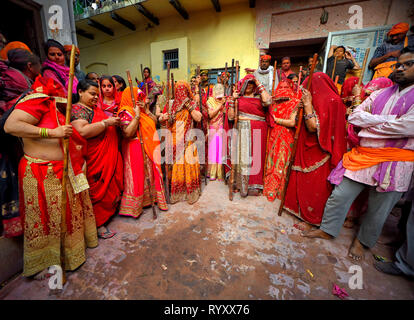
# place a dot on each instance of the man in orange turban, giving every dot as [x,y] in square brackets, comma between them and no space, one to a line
[80,75]
[12,45]
[386,55]
[265,73]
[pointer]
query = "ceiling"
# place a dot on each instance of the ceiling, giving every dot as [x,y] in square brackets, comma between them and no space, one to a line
[159,8]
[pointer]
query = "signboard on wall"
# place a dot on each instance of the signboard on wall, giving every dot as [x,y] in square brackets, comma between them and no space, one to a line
[360,40]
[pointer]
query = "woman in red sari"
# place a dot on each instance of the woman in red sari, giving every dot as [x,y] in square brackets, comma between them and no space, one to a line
[252,135]
[104,166]
[282,120]
[40,121]
[136,192]
[109,98]
[321,145]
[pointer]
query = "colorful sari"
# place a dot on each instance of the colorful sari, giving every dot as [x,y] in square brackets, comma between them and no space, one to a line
[185,179]
[104,165]
[136,191]
[215,141]
[251,142]
[40,189]
[59,74]
[280,142]
[317,153]
[112,108]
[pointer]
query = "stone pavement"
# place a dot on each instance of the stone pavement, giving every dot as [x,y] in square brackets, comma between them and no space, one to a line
[217,249]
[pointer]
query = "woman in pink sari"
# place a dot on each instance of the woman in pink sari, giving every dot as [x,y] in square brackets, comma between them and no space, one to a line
[109,98]
[54,65]
[215,107]
[252,134]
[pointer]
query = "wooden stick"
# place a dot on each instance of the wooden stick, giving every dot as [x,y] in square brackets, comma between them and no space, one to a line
[364,65]
[144,156]
[231,82]
[274,78]
[166,165]
[172,85]
[233,142]
[299,79]
[65,165]
[333,69]
[336,80]
[295,141]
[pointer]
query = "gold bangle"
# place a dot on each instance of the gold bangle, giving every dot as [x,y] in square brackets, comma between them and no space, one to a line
[46,133]
[40,132]
[103,123]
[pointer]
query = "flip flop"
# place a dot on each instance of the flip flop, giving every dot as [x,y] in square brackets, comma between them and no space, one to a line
[106,235]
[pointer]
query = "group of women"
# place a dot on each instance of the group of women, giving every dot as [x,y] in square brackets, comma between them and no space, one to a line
[115,149]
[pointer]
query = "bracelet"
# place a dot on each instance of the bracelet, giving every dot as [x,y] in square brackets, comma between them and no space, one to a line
[309,116]
[44,133]
[103,123]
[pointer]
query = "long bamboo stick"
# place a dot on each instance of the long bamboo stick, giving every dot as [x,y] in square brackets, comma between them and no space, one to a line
[65,165]
[233,141]
[364,65]
[295,142]
[333,69]
[166,164]
[144,156]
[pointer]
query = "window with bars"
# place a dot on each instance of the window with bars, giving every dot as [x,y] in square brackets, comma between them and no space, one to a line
[172,57]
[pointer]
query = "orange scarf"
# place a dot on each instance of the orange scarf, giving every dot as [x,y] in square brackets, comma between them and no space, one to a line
[146,124]
[363,157]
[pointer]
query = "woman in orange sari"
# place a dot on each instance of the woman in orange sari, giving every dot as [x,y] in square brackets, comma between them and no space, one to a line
[185,180]
[136,191]
[281,119]
[104,168]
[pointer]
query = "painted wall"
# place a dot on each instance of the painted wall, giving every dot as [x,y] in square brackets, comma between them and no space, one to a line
[278,20]
[213,39]
[53,10]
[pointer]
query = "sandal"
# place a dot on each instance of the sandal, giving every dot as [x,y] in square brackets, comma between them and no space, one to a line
[106,234]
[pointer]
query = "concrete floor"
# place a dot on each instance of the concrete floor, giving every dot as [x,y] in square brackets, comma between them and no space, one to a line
[217,249]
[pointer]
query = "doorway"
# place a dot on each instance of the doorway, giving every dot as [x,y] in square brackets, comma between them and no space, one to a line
[20,20]
[299,51]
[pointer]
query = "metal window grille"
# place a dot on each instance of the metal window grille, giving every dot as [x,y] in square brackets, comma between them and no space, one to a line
[172,57]
[213,74]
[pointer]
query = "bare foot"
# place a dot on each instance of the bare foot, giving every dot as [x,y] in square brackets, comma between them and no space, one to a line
[303,226]
[317,233]
[42,274]
[356,251]
[349,223]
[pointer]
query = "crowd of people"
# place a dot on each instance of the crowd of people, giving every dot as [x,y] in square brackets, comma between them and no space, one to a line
[353,158]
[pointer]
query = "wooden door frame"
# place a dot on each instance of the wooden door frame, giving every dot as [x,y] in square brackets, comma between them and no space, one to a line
[35,8]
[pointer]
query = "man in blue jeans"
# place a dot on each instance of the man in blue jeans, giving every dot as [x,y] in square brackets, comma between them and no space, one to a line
[383,161]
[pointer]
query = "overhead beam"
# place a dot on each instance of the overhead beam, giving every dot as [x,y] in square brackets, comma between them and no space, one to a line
[122,21]
[252,3]
[85,34]
[177,5]
[216,4]
[147,14]
[100,27]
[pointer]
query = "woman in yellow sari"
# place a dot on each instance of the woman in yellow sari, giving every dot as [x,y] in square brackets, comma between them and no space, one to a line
[185,179]
[136,192]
